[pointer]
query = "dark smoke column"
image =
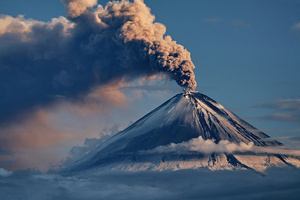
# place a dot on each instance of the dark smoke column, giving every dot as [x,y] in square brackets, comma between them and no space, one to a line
[93,47]
[140,42]
[164,54]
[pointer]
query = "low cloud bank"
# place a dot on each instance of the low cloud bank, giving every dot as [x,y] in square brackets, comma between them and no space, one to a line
[185,184]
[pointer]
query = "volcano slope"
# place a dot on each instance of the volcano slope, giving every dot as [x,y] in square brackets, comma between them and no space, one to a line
[189,131]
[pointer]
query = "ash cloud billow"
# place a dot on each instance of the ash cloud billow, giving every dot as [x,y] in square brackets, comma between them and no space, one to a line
[92,47]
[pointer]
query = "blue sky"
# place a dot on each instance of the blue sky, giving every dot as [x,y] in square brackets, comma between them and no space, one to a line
[245,52]
[246,55]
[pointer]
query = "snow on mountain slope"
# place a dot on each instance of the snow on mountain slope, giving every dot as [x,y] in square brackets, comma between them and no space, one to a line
[182,119]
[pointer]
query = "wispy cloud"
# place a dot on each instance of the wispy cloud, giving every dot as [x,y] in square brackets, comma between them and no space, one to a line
[291,141]
[282,104]
[45,136]
[281,131]
[32,133]
[151,87]
[224,146]
[27,141]
[288,110]
[287,117]
[213,21]
[239,24]
[90,144]
[99,100]
[289,138]
[296,29]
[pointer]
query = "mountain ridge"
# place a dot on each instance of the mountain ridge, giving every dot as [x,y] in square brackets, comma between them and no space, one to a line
[182,118]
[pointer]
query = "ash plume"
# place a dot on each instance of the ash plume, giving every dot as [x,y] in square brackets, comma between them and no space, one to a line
[92,47]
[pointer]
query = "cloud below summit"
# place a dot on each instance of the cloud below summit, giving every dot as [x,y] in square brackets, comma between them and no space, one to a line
[185,184]
[208,147]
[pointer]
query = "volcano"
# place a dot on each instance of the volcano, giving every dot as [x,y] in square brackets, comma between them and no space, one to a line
[183,118]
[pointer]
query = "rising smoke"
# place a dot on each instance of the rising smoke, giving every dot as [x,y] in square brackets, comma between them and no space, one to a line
[94,46]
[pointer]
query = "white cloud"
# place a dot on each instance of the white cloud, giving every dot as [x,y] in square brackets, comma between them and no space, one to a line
[296,29]
[204,146]
[239,23]
[224,146]
[4,172]
[213,20]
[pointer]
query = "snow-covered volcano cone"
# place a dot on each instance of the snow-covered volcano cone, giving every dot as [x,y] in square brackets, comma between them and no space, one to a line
[185,117]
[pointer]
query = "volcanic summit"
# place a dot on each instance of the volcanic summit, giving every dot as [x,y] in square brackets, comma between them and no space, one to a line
[186,117]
